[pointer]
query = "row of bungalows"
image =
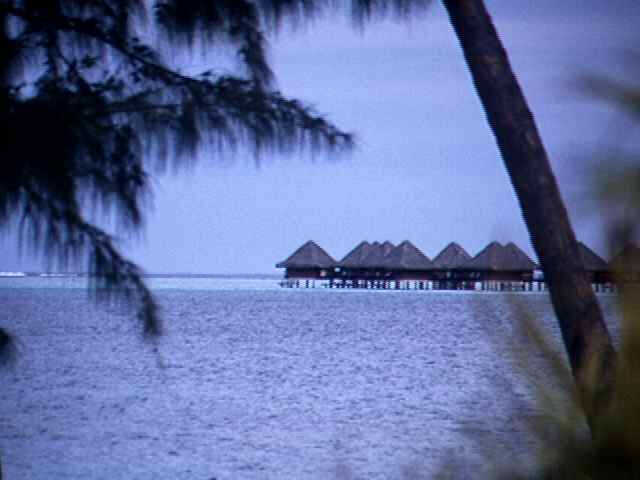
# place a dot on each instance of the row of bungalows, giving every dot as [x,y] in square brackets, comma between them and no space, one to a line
[623,269]
[496,267]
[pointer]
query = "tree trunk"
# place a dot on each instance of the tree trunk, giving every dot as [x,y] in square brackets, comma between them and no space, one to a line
[584,332]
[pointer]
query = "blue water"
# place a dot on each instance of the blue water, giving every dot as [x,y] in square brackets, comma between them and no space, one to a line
[254,382]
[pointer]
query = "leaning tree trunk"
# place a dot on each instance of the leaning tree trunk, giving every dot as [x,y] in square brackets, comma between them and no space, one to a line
[584,332]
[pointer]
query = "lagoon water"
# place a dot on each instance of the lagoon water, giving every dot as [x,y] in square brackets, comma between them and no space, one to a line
[251,381]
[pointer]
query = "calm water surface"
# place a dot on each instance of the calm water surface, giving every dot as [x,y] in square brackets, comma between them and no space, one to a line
[255,382]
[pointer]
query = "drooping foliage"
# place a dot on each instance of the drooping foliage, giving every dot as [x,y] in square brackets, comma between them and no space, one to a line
[92,102]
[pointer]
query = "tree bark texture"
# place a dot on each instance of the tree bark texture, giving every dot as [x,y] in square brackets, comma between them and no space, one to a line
[584,332]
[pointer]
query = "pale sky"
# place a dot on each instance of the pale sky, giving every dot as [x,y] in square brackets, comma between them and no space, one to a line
[426,167]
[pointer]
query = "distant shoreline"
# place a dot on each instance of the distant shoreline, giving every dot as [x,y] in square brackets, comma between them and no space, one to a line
[257,276]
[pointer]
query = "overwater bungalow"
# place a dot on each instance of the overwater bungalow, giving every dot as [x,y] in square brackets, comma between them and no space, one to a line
[362,263]
[407,267]
[445,273]
[407,261]
[352,263]
[384,266]
[625,267]
[596,267]
[500,267]
[309,262]
[374,262]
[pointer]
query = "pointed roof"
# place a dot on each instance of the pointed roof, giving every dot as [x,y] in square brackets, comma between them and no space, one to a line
[496,257]
[452,256]
[376,256]
[628,260]
[517,259]
[388,246]
[355,257]
[486,259]
[309,255]
[407,256]
[591,260]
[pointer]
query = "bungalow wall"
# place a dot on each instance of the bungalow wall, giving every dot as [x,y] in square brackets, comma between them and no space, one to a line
[306,273]
[361,273]
[452,274]
[411,275]
[500,276]
[601,277]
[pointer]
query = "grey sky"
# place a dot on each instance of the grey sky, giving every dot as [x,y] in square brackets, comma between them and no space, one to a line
[426,167]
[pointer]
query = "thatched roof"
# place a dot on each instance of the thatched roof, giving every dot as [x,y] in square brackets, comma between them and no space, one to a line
[388,246]
[489,258]
[452,256]
[496,257]
[377,254]
[407,256]
[591,260]
[628,260]
[309,255]
[518,259]
[355,257]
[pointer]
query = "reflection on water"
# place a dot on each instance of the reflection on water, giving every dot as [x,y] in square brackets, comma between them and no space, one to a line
[255,382]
